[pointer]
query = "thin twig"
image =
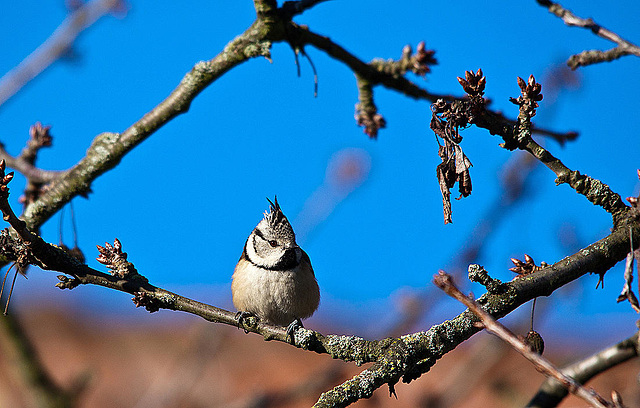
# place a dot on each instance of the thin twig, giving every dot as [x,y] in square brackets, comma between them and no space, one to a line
[623,48]
[27,169]
[4,280]
[13,284]
[369,71]
[298,7]
[54,47]
[520,137]
[627,292]
[74,228]
[444,282]
[551,392]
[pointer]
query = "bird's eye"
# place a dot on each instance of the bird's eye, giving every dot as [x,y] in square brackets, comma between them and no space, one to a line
[273,243]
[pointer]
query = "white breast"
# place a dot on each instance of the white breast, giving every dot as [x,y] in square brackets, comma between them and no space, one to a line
[276,296]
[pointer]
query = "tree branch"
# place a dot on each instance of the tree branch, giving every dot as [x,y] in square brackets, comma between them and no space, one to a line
[593,56]
[407,357]
[373,74]
[552,392]
[293,8]
[425,348]
[27,169]
[108,149]
[473,110]
[444,282]
[55,46]
[404,358]
[271,25]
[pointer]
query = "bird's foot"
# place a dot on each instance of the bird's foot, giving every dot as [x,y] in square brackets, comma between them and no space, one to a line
[240,317]
[292,327]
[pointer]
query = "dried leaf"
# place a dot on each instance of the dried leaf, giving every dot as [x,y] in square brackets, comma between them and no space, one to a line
[462,161]
[441,171]
[464,184]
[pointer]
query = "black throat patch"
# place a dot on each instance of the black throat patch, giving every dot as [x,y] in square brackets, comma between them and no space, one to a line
[288,261]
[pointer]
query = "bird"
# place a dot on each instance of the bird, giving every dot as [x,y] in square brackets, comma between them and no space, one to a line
[274,280]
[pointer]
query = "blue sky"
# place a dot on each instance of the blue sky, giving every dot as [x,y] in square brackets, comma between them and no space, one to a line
[184,201]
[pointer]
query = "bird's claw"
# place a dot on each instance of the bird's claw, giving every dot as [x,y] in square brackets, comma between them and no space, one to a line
[292,327]
[240,316]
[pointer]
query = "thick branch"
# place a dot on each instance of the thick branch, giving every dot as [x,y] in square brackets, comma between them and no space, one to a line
[407,357]
[388,369]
